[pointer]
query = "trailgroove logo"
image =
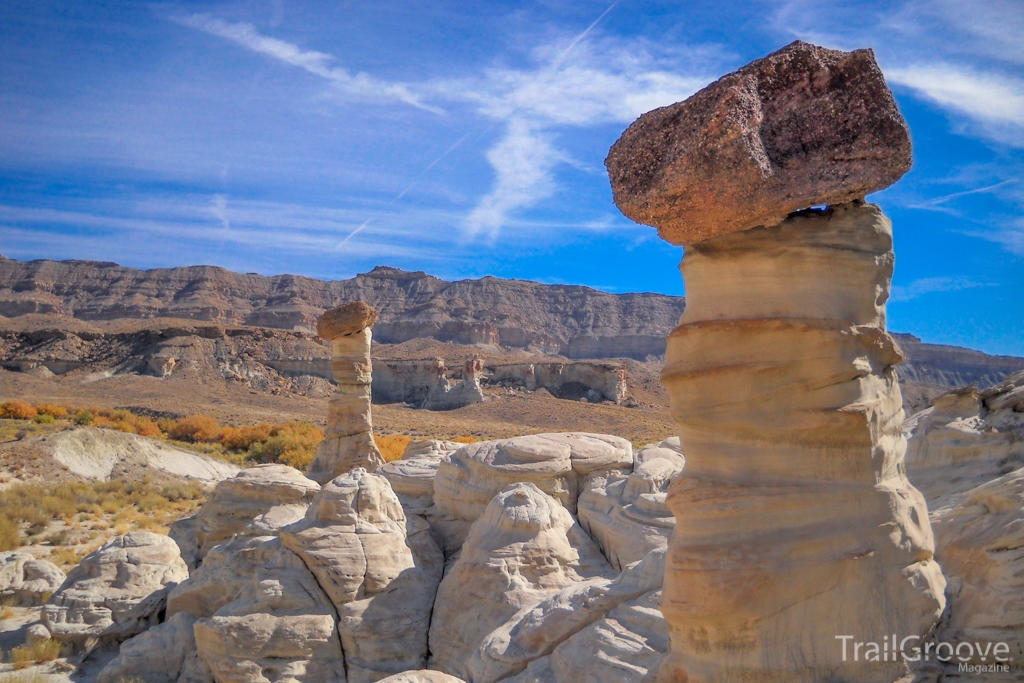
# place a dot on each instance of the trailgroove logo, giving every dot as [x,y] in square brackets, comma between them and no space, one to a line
[971,657]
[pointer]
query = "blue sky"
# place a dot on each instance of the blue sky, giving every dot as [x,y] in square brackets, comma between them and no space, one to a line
[468,139]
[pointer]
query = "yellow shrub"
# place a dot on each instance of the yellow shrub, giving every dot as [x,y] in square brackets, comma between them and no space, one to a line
[195,428]
[465,439]
[391,447]
[52,409]
[241,438]
[10,535]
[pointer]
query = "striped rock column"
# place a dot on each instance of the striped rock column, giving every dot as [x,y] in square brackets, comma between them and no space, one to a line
[349,441]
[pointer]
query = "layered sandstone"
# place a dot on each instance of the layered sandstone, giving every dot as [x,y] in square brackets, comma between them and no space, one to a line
[794,519]
[349,442]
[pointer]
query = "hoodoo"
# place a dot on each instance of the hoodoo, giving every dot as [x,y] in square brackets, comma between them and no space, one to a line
[795,522]
[349,441]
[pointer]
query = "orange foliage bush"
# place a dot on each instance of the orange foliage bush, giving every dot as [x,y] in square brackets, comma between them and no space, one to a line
[58,412]
[17,410]
[241,438]
[465,439]
[196,428]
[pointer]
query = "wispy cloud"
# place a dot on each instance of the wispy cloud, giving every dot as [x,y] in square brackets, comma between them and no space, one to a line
[990,99]
[601,83]
[931,285]
[358,85]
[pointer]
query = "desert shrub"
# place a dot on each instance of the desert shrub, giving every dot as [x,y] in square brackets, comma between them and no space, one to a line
[44,419]
[391,447]
[52,409]
[195,428]
[84,417]
[465,439]
[10,535]
[40,651]
[241,438]
[17,410]
[292,443]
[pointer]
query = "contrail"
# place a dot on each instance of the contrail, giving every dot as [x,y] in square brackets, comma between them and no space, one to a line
[406,190]
[583,35]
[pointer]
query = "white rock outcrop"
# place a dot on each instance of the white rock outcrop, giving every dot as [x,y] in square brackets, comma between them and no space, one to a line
[558,464]
[116,591]
[412,477]
[524,548]
[966,453]
[163,654]
[24,580]
[379,570]
[626,514]
[282,629]
[236,502]
[552,626]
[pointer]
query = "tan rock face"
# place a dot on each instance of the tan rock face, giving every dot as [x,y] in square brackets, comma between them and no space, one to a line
[794,519]
[804,126]
[379,570]
[412,477]
[116,591]
[346,319]
[524,548]
[349,440]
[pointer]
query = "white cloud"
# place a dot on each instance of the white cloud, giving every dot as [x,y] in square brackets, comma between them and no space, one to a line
[360,85]
[984,96]
[523,162]
[930,285]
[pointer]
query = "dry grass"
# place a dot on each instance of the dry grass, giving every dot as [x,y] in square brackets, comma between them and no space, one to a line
[30,508]
[24,677]
[41,651]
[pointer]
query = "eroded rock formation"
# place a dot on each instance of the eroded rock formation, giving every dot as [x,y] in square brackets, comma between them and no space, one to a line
[427,384]
[117,591]
[966,454]
[349,440]
[524,548]
[794,519]
[25,580]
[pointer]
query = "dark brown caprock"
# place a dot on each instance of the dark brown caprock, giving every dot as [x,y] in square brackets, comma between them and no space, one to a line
[804,126]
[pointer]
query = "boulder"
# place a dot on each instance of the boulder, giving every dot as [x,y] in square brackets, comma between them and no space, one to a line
[524,548]
[282,628]
[346,319]
[379,570]
[626,514]
[24,580]
[116,591]
[558,464]
[804,126]
[237,501]
[164,654]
